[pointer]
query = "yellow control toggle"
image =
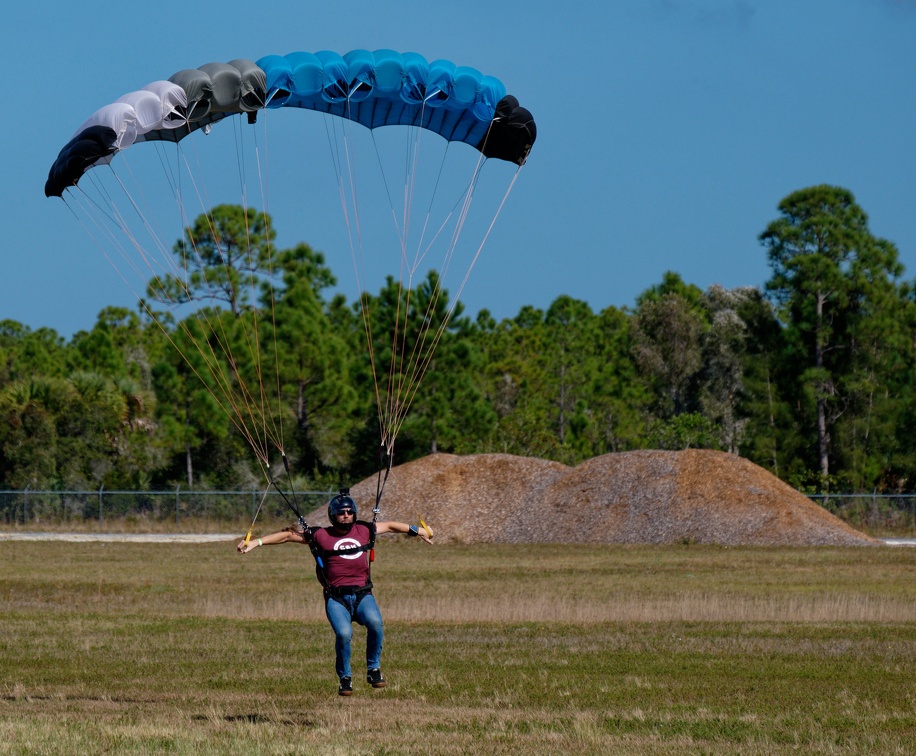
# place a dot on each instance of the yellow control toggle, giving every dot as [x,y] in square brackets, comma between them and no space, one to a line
[425,526]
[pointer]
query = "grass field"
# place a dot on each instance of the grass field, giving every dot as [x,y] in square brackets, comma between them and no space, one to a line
[172,648]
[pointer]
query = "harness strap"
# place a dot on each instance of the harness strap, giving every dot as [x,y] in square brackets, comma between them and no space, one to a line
[348,590]
[321,554]
[353,550]
[385,459]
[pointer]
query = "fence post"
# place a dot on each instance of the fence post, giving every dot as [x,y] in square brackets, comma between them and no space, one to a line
[177,489]
[25,504]
[102,486]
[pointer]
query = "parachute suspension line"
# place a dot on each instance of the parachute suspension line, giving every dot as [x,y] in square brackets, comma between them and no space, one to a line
[256,513]
[263,183]
[225,399]
[395,384]
[443,326]
[210,360]
[424,347]
[411,355]
[401,229]
[88,204]
[409,364]
[421,352]
[293,505]
[421,253]
[399,350]
[252,338]
[119,221]
[173,176]
[240,400]
[173,179]
[490,228]
[412,163]
[412,158]
[254,408]
[465,209]
[358,260]
[402,226]
[124,226]
[143,303]
[269,427]
[94,212]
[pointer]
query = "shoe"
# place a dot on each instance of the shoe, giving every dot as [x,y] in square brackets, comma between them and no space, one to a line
[346,686]
[375,679]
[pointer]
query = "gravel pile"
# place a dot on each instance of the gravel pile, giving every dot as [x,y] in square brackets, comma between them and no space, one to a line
[634,497]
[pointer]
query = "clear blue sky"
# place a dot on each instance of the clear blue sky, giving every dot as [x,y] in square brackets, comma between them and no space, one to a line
[669,130]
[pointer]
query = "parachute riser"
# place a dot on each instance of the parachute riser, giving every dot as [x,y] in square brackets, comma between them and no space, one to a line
[385,460]
[294,504]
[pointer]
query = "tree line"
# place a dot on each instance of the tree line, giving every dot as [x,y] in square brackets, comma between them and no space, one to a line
[810,376]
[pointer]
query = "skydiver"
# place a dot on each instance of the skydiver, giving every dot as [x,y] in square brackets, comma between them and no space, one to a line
[342,556]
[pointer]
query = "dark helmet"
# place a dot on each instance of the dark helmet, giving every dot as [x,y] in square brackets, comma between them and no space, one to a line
[340,503]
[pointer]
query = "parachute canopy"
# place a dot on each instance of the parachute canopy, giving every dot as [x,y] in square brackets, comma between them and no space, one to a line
[381,88]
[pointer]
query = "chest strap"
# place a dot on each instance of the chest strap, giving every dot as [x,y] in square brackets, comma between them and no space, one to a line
[321,554]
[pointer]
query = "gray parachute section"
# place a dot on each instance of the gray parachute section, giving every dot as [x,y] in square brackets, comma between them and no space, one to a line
[163,110]
[374,89]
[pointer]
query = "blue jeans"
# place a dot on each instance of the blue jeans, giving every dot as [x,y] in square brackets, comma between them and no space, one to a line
[342,612]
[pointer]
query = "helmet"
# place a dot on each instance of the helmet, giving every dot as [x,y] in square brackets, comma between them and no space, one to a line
[340,503]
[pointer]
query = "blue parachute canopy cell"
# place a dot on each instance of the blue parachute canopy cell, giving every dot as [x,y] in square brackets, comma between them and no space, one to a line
[381,88]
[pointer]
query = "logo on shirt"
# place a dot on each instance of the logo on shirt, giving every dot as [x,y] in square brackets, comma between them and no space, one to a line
[345,544]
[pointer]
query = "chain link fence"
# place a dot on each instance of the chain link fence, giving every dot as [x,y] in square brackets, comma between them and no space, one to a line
[883,514]
[174,508]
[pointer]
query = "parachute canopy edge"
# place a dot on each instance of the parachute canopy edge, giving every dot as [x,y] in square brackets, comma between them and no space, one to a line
[372,88]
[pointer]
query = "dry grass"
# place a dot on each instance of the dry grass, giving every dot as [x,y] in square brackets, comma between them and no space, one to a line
[588,645]
[138,648]
[518,605]
[483,583]
[691,607]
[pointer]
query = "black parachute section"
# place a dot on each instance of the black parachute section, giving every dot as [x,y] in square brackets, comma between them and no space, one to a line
[375,89]
[511,134]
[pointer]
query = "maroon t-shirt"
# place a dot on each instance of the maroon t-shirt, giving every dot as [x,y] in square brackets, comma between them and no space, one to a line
[344,569]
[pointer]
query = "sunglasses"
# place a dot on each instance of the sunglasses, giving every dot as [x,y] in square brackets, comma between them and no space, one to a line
[345,512]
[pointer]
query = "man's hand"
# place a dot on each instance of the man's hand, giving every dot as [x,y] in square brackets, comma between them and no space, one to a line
[245,546]
[427,533]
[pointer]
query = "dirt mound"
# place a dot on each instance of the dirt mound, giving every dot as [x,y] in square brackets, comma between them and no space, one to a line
[470,499]
[633,497]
